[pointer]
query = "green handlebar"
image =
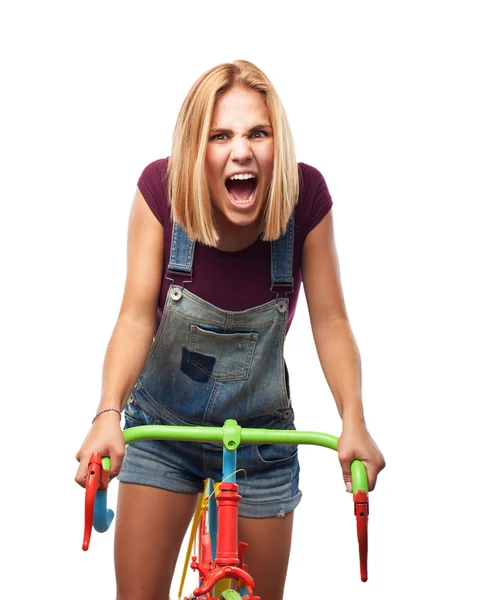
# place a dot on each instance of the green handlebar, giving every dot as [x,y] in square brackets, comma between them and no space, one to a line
[232,435]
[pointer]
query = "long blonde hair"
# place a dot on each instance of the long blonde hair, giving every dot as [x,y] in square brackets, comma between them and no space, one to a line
[188,189]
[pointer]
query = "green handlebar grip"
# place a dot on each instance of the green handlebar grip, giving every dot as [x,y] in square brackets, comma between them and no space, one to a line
[359,476]
[106,462]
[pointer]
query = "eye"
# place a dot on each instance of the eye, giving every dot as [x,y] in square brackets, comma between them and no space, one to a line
[258,134]
[218,137]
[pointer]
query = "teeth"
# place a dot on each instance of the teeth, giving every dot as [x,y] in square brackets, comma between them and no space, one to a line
[242,176]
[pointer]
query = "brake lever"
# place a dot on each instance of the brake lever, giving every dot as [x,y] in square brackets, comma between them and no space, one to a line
[97,482]
[361,511]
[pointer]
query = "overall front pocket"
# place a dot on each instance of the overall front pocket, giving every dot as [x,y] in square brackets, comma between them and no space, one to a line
[222,356]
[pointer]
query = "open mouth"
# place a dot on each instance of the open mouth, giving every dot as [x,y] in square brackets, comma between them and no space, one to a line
[241,188]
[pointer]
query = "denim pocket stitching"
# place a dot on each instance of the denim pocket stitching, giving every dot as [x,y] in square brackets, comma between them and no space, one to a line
[134,413]
[277,461]
[160,412]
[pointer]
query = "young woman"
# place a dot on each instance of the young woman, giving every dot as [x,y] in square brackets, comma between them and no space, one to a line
[221,235]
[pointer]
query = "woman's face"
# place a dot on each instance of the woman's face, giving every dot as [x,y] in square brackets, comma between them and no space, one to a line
[239,157]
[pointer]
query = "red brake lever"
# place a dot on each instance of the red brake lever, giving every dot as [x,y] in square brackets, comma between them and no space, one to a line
[97,480]
[361,510]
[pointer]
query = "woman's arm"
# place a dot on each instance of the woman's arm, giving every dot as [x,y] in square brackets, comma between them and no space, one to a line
[134,330]
[131,338]
[337,349]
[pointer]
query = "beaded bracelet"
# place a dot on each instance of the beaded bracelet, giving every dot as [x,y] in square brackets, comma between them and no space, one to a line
[105,410]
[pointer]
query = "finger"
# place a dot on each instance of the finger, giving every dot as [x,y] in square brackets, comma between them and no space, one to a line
[82,473]
[346,469]
[116,460]
[373,472]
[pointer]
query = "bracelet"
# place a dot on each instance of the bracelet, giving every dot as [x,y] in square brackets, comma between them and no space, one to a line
[105,410]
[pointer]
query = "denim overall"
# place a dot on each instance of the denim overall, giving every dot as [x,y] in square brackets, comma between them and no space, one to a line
[207,365]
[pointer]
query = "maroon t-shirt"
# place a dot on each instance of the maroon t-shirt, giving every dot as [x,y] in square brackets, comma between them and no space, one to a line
[240,280]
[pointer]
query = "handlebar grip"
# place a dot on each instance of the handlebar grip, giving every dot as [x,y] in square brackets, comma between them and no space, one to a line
[359,476]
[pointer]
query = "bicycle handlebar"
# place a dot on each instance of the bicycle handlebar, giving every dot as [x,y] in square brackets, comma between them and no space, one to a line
[232,435]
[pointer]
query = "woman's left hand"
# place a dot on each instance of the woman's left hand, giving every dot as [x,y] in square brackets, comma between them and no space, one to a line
[354,443]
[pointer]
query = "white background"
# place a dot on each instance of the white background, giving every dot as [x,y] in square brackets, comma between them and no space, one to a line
[382,98]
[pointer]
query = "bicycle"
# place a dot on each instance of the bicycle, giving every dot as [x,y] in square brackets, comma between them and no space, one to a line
[220,559]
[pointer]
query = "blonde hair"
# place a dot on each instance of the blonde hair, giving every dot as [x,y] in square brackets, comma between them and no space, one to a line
[188,189]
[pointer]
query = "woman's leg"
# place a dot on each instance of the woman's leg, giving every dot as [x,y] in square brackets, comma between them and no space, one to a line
[267,556]
[150,526]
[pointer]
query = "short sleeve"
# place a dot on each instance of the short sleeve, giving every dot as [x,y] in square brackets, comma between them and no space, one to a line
[315,196]
[153,184]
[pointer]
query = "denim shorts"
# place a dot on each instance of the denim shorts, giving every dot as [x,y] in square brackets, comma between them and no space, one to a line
[269,488]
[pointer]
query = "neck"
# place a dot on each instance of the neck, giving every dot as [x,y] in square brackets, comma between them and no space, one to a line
[235,237]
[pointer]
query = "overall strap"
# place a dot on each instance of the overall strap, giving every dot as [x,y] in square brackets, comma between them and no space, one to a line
[182,252]
[183,249]
[282,259]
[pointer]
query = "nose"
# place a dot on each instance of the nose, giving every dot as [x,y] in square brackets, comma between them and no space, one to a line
[240,149]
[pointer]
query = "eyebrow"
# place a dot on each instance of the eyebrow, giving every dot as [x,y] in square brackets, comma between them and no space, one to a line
[230,131]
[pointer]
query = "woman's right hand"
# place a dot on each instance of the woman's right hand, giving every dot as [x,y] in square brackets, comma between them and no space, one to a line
[105,437]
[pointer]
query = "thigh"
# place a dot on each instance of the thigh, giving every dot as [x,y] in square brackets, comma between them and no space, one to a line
[150,526]
[267,556]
